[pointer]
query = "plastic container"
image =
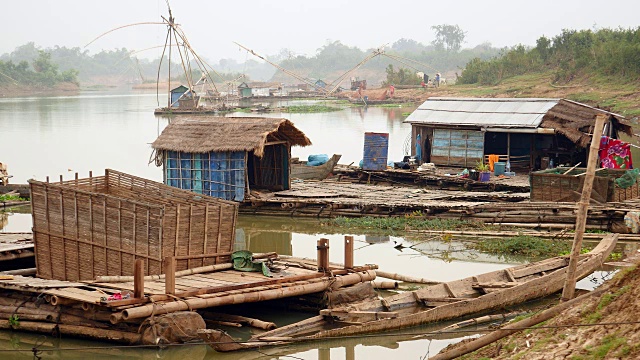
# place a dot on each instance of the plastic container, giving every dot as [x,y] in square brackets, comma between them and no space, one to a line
[484,176]
[498,168]
[509,173]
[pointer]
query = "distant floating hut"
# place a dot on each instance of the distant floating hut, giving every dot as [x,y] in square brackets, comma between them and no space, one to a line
[227,157]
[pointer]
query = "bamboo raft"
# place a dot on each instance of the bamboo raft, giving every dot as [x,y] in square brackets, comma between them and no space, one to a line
[118,308]
[328,199]
[472,295]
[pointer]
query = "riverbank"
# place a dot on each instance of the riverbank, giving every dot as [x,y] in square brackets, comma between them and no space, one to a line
[599,327]
[14,90]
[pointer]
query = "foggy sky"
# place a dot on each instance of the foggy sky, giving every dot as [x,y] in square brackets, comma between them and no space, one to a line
[302,26]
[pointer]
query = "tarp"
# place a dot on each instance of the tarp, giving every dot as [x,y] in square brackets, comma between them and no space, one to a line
[243,261]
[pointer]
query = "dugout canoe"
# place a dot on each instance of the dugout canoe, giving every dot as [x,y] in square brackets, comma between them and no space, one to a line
[472,295]
[300,170]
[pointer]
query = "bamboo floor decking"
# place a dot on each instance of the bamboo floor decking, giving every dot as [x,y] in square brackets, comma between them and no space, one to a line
[221,283]
[364,198]
[15,246]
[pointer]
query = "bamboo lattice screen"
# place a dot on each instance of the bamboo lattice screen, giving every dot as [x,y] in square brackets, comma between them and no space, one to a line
[99,226]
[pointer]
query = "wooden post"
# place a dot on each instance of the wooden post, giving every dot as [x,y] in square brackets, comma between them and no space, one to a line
[61,178]
[348,252]
[583,206]
[138,279]
[170,275]
[323,255]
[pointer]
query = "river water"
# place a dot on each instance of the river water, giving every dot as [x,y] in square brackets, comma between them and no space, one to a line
[53,136]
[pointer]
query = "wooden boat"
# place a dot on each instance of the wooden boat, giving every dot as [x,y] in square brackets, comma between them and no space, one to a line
[300,170]
[472,295]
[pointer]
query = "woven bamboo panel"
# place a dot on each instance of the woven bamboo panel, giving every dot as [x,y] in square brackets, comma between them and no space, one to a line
[547,186]
[99,226]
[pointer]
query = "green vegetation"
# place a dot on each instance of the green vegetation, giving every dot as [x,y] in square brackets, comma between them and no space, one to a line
[310,109]
[401,77]
[605,300]
[523,245]
[401,223]
[335,58]
[42,72]
[605,51]
[609,343]
[14,321]
[7,197]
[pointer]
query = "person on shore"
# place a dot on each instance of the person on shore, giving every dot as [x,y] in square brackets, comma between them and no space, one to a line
[437,84]
[392,90]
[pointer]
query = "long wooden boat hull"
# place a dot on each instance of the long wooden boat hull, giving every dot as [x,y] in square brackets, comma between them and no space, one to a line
[302,171]
[434,303]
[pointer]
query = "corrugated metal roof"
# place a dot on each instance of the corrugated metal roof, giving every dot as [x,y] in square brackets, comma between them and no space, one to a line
[485,113]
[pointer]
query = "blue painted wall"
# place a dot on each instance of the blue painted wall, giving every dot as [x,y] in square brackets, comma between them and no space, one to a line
[217,174]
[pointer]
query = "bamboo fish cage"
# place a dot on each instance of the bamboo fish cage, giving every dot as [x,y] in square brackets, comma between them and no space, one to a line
[99,226]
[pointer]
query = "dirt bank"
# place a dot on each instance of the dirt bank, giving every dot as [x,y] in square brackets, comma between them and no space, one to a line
[12,90]
[580,333]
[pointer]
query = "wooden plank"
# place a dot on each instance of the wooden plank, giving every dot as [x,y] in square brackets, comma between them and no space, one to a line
[170,272]
[348,252]
[138,282]
[527,270]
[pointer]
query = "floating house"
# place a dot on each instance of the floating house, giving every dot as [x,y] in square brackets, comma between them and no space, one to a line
[227,157]
[176,94]
[530,133]
[244,91]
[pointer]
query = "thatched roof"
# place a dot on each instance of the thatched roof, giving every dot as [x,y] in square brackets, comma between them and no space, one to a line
[575,121]
[217,134]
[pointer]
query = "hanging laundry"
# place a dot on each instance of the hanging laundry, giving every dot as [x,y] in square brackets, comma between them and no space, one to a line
[493,158]
[615,154]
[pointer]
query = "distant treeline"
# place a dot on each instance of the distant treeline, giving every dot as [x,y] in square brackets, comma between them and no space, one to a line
[335,58]
[605,51]
[41,72]
[28,64]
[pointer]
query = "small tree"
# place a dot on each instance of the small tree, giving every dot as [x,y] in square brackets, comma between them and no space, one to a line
[448,37]
[401,77]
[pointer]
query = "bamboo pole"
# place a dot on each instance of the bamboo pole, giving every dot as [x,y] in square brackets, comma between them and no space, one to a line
[323,255]
[200,303]
[385,285]
[583,206]
[405,278]
[513,328]
[76,330]
[256,323]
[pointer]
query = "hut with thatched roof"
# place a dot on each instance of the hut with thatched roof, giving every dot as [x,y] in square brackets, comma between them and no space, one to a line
[227,157]
[530,133]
